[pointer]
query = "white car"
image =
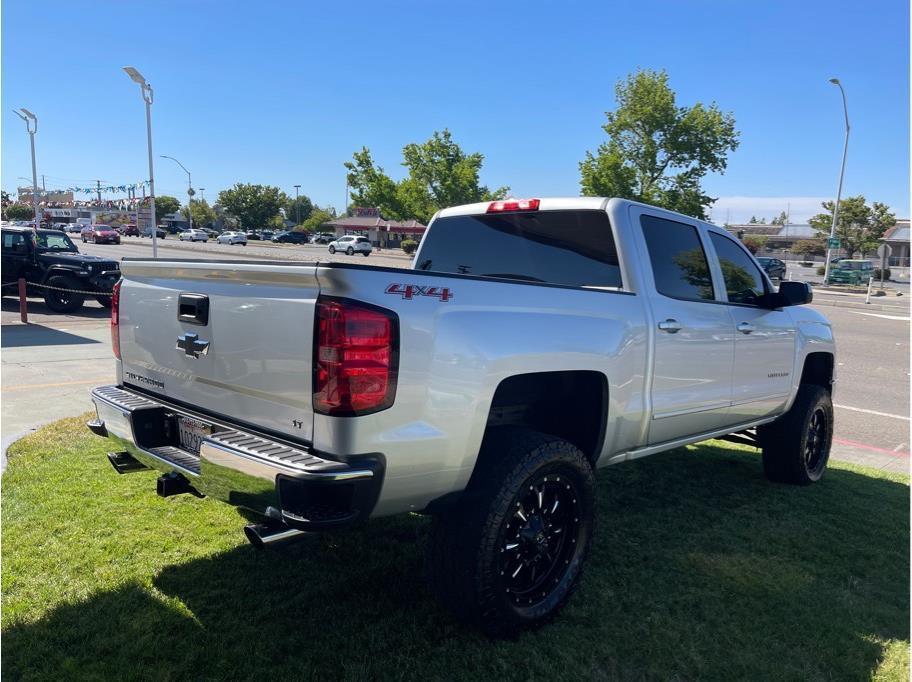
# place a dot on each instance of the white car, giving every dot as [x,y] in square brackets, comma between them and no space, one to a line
[351,244]
[232,238]
[193,236]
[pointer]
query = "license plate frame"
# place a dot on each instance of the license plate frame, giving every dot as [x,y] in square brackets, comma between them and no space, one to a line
[191,432]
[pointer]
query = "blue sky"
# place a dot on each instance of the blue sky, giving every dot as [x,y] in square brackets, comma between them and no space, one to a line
[283,93]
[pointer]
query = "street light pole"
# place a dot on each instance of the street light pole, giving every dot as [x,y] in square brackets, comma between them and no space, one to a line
[845,150]
[297,206]
[147,96]
[189,190]
[31,125]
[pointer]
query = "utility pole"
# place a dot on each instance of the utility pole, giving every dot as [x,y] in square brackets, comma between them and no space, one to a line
[297,206]
[147,96]
[43,186]
[845,150]
[31,126]
[98,184]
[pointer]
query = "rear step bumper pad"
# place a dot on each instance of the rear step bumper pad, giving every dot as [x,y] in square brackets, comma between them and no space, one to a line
[239,467]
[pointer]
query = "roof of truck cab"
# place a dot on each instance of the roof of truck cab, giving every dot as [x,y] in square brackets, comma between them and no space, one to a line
[546,204]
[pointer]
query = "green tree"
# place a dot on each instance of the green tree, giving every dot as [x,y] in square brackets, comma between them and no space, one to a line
[203,215]
[254,206]
[781,219]
[299,210]
[657,151]
[19,212]
[165,205]
[860,226]
[317,218]
[440,174]
[755,242]
[809,247]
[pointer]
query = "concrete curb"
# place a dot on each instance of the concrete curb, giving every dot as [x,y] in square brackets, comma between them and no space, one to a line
[10,440]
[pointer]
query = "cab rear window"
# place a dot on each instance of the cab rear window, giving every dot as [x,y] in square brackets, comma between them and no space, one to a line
[573,248]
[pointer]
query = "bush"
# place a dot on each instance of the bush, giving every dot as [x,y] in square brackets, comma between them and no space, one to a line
[409,245]
[886,273]
[821,270]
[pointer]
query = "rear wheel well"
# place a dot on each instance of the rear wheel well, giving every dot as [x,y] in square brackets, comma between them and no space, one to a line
[569,404]
[818,370]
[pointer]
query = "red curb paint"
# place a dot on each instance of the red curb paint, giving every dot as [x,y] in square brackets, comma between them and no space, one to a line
[872,448]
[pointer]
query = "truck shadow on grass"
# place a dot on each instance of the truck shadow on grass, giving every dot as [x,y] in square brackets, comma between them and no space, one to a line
[701,569]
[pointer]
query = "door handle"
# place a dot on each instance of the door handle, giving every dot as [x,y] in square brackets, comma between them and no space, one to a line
[745,327]
[670,326]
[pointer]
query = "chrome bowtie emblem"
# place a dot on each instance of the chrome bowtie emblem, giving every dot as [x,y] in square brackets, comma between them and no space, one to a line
[192,345]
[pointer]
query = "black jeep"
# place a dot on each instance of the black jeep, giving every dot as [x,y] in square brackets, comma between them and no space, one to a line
[50,258]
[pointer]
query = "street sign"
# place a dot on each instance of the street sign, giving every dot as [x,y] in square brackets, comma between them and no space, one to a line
[833,243]
[884,251]
[144,218]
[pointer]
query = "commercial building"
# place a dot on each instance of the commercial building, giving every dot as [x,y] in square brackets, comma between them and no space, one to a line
[381,232]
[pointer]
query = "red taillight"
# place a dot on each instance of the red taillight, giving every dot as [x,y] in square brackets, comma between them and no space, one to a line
[355,358]
[115,319]
[513,205]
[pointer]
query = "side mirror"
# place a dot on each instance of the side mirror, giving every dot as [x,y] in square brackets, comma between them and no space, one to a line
[793,293]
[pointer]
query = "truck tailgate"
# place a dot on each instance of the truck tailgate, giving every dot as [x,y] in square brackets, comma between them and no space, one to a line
[243,346]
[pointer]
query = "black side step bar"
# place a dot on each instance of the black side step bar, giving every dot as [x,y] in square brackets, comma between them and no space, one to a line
[125,463]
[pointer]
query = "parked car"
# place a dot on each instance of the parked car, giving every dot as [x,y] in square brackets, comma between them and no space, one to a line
[129,230]
[322,238]
[266,235]
[232,238]
[253,235]
[194,236]
[351,244]
[851,271]
[50,258]
[100,234]
[160,232]
[773,267]
[74,228]
[532,342]
[290,238]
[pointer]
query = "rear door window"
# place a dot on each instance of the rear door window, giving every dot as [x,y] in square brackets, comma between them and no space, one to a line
[679,264]
[743,281]
[571,248]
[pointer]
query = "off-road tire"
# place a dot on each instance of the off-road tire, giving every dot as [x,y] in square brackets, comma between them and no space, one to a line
[466,552]
[796,447]
[60,301]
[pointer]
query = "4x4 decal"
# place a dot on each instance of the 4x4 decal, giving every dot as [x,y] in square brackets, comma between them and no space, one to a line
[410,291]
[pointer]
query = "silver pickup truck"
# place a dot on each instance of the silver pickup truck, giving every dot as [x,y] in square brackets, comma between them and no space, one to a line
[532,342]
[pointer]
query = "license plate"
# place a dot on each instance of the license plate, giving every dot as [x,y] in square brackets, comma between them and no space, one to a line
[191,433]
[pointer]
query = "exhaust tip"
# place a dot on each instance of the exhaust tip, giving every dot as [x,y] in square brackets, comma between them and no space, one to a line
[261,535]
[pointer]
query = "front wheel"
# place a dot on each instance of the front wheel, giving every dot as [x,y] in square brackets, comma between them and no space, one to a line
[60,298]
[510,553]
[796,447]
[332,249]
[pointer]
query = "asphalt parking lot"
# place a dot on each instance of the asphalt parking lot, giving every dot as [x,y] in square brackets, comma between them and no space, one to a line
[171,247]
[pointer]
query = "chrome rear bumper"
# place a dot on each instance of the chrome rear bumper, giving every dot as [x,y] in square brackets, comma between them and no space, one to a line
[238,466]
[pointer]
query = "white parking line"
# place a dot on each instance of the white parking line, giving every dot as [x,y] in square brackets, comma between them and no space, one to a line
[874,412]
[885,317]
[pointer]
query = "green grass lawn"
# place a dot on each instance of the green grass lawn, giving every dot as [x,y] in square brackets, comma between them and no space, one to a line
[701,570]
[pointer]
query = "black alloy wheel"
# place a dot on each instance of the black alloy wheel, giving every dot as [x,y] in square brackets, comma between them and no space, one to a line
[539,540]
